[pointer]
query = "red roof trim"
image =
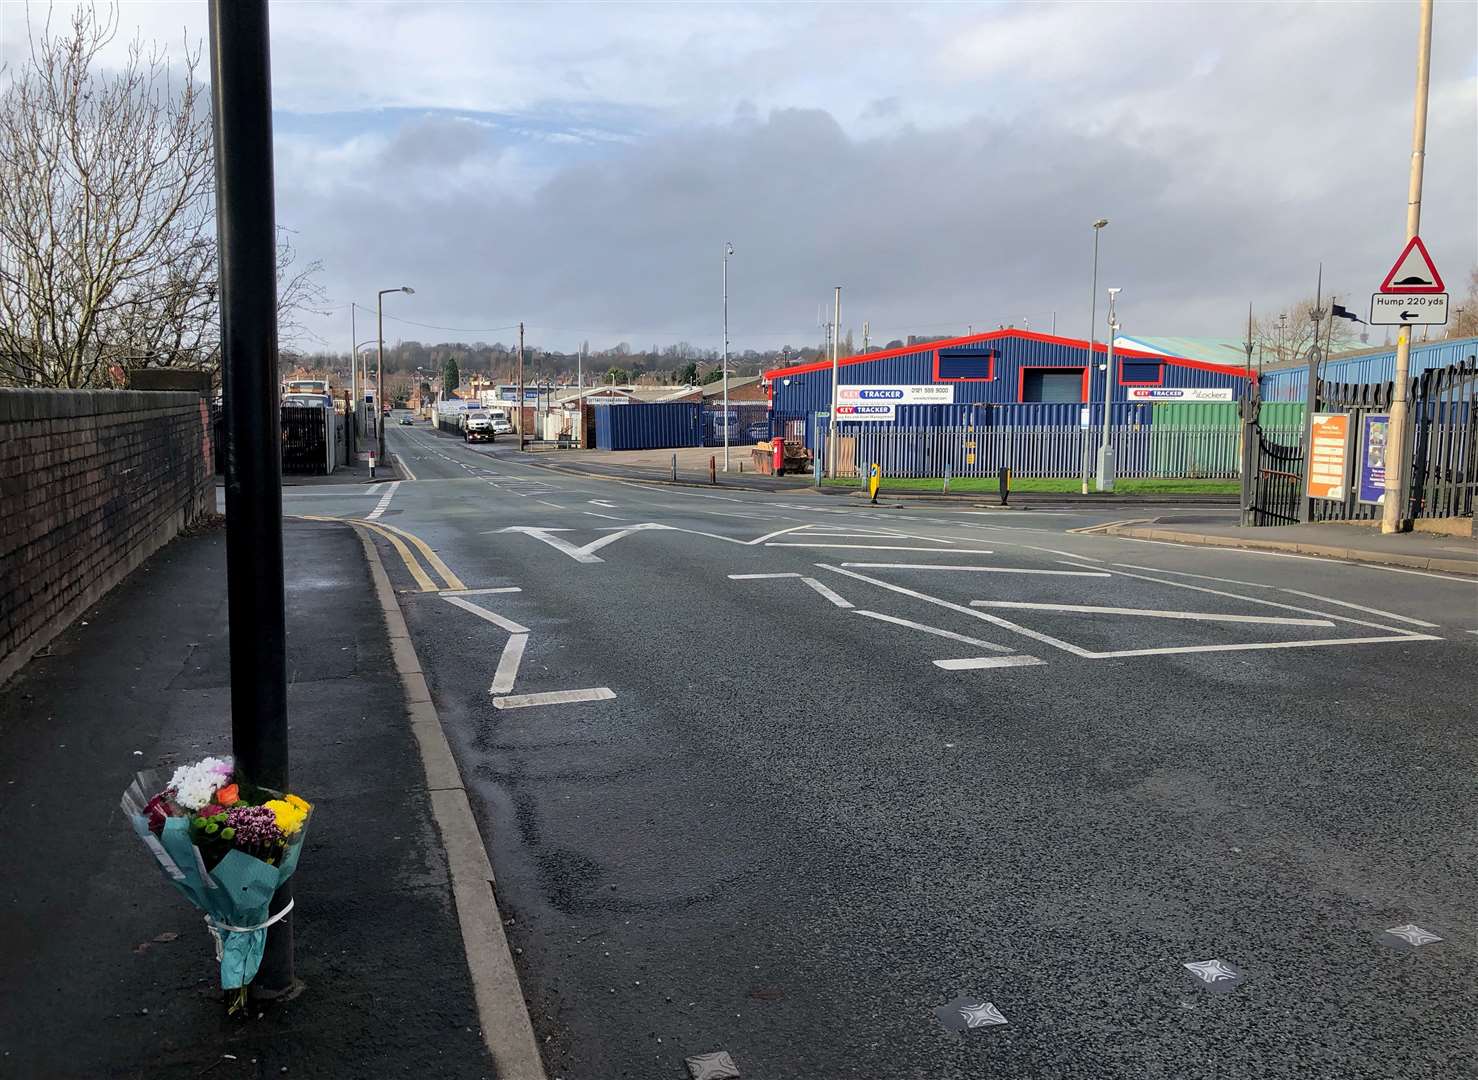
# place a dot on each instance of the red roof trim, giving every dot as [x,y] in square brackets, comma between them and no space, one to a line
[997,335]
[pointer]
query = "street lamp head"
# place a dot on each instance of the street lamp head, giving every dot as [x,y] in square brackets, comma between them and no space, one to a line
[1100,223]
[1115,291]
[728,249]
[407,290]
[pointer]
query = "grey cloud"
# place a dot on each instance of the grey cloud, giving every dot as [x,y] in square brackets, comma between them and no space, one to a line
[983,223]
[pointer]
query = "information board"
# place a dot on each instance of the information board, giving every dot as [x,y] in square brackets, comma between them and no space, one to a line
[1374,430]
[1329,456]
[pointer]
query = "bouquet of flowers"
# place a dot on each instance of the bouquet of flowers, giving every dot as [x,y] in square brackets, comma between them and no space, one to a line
[225,845]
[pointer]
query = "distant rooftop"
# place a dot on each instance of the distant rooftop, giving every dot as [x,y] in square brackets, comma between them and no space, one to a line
[1212,350]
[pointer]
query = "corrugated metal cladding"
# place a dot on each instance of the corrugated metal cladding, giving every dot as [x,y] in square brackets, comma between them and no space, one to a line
[648,427]
[1290,384]
[1015,353]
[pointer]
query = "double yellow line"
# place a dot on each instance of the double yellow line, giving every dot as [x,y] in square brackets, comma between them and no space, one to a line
[397,538]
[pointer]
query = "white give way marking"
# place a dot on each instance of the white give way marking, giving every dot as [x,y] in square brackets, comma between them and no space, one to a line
[384,502]
[585,553]
[510,660]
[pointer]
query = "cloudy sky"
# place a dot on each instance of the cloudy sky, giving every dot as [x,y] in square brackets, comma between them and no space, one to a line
[580,166]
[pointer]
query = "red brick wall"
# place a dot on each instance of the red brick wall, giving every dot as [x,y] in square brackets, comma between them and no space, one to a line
[92,482]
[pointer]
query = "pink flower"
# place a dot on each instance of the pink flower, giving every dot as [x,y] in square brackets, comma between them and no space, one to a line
[156,810]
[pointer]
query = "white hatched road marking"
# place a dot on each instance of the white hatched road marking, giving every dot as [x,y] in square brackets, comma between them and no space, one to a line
[1201,577]
[1151,613]
[586,553]
[491,616]
[757,577]
[828,593]
[594,513]
[508,663]
[480,592]
[1362,607]
[884,547]
[935,630]
[1020,660]
[556,697]
[976,569]
[384,502]
[602,502]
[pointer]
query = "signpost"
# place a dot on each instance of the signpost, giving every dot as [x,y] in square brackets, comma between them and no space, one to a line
[1329,458]
[850,413]
[1171,393]
[1375,429]
[1408,309]
[898,395]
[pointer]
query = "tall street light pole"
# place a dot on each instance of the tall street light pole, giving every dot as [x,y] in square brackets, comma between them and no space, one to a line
[1393,513]
[1092,331]
[380,363]
[246,233]
[728,250]
[353,374]
[1105,448]
[831,431]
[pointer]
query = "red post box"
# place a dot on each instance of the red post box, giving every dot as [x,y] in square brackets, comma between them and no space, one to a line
[778,446]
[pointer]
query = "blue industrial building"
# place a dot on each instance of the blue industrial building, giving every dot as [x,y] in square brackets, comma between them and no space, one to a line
[1367,366]
[1007,377]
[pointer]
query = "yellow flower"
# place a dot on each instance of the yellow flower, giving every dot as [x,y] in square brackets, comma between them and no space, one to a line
[289,817]
[302,804]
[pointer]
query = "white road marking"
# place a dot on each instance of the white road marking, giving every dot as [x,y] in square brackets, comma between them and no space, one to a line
[586,553]
[1308,558]
[384,502]
[326,492]
[995,620]
[767,536]
[828,593]
[483,613]
[546,502]
[508,664]
[1362,607]
[480,592]
[602,502]
[757,577]
[608,517]
[556,697]
[1020,660]
[1259,645]
[884,547]
[976,569]
[1201,577]
[1150,613]
[936,631]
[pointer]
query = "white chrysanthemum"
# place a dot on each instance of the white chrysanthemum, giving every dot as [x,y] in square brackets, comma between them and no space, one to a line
[195,785]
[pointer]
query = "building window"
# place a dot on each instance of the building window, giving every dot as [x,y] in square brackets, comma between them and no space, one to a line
[1141,373]
[1054,384]
[965,365]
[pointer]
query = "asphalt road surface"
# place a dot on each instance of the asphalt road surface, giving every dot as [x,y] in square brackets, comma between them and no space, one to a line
[925,793]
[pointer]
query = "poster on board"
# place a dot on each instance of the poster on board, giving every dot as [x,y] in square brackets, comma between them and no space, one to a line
[1329,458]
[1374,430]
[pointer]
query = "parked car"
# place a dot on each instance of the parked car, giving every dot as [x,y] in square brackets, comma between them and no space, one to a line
[501,424]
[759,431]
[479,428]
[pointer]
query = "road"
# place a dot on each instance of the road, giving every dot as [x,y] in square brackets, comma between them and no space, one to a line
[816,783]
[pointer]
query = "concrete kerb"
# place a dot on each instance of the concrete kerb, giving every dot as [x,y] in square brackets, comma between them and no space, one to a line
[506,1028]
[1344,554]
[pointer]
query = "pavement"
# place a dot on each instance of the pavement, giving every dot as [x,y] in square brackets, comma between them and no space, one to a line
[1345,541]
[786,776]
[107,971]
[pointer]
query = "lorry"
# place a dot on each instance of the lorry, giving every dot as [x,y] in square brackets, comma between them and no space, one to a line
[478,427]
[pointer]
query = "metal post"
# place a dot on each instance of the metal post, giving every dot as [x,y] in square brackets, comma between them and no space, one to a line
[580,395]
[246,231]
[380,374]
[728,250]
[1311,402]
[831,430]
[1105,448]
[353,370]
[1398,462]
[521,446]
[1092,331]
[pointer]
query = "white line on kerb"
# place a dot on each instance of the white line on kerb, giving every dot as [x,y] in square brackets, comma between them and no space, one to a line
[491,616]
[976,569]
[937,631]
[383,503]
[1151,613]
[556,697]
[988,662]
[828,593]
[508,664]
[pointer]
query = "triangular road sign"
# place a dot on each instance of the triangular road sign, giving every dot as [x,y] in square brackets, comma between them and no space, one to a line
[1413,272]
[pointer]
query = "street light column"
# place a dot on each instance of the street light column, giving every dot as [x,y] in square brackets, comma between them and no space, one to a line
[380,363]
[1092,332]
[1105,449]
[728,250]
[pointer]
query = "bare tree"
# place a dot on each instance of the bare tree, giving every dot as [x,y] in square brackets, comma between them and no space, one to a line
[1464,321]
[1287,334]
[107,216]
